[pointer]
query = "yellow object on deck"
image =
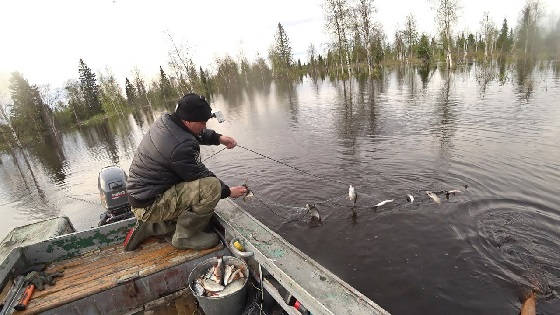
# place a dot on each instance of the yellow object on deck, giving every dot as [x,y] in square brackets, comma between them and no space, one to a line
[238,246]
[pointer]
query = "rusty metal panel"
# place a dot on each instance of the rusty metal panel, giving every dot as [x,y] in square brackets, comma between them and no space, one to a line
[74,244]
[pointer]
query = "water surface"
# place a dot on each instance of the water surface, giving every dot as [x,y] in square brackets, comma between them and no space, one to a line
[494,129]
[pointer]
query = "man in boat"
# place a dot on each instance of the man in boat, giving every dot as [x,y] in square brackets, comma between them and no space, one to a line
[170,190]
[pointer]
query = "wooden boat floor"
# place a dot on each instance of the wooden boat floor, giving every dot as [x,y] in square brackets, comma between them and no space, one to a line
[106,268]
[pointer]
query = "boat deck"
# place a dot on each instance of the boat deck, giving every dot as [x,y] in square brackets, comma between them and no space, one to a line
[103,269]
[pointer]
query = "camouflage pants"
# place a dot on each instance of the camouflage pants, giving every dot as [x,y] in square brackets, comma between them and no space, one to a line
[199,196]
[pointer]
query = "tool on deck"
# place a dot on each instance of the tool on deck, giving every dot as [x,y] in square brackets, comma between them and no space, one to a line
[11,297]
[25,298]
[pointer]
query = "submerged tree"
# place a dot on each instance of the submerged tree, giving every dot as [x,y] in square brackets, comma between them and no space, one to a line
[112,100]
[165,88]
[337,16]
[488,31]
[410,34]
[281,53]
[364,11]
[130,91]
[503,42]
[527,29]
[423,50]
[446,17]
[89,89]
[30,116]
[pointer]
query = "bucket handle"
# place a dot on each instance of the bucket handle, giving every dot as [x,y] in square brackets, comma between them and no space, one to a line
[237,252]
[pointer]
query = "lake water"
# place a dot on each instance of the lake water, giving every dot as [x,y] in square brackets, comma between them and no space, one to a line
[494,129]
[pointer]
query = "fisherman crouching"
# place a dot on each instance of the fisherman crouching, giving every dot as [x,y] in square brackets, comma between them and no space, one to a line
[170,190]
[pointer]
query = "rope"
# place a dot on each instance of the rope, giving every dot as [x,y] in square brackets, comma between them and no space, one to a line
[214,154]
[293,167]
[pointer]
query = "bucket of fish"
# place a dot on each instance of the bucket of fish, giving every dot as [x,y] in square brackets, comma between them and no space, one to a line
[220,285]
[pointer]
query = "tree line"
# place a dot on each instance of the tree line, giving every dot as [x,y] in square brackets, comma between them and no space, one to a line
[358,47]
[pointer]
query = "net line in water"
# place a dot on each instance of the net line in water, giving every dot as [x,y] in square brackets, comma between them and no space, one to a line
[301,213]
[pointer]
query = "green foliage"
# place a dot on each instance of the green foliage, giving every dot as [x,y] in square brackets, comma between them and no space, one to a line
[130,92]
[165,89]
[30,116]
[423,50]
[280,54]
[89,90]
[504,42]
[112,100]
[227,77]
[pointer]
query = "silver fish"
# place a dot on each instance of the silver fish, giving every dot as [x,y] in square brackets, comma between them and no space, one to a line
[197,287]
[249,194]
[209,273]
[384,202]
[314,212]
[433,196]
[232,287]
[218,271]
[237,274]
[352,194]
[410,198]
[211,286]
[227,273]
[451,192]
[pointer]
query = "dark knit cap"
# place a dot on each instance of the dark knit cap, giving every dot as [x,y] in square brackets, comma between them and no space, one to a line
[193,107]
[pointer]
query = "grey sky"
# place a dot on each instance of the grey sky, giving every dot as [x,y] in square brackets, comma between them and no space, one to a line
[45,39]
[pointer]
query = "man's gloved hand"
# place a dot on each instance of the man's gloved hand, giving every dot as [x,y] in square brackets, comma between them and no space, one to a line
[237,191]
[229,142]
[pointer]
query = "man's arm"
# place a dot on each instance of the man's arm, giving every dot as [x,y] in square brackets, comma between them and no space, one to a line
[185,162]
[210,137]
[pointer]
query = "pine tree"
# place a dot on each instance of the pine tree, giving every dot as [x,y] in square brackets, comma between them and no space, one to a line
[281,53]
[166,90]
[130,92]
[90,89]
[503,42]
[31,117]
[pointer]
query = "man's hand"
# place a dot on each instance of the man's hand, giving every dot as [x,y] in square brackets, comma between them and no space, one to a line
[237,191]
[229,142]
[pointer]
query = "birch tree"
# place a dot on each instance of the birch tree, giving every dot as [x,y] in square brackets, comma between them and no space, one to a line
[446,17]
[364,11]
[337,17]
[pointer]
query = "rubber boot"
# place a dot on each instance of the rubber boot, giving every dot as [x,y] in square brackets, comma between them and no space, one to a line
[188,232]
[142,230]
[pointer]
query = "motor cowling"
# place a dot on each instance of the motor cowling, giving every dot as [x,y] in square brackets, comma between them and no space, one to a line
[111,183]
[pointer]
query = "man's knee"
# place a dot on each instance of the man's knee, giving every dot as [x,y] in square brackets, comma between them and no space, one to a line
[210,190]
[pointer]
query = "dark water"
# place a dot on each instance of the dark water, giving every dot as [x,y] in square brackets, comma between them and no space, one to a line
[493,129]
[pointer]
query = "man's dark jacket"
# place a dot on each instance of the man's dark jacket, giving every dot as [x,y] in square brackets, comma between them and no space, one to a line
[167,155]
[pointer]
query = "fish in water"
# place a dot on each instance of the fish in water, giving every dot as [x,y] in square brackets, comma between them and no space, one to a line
[410,198]
[433,196]
[451,192]
[352,194]
[314,212]
[384,202]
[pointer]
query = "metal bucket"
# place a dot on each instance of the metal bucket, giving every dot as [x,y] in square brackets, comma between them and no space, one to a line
[230,304]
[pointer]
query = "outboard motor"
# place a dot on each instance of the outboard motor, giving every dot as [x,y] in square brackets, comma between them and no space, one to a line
[114,197]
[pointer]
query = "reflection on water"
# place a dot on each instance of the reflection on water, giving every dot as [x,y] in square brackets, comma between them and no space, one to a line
[411,129]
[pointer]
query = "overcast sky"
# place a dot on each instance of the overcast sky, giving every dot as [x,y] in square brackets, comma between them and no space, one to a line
[45,39]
